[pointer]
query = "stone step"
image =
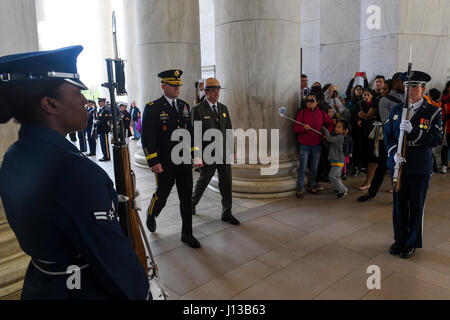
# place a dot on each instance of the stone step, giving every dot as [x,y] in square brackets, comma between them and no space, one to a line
[8,242]
[12,271]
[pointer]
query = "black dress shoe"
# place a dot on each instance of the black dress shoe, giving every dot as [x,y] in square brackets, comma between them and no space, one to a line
[151,222]
[103,160]
[394,249]
[191,241]
[231,220]
[91,155]
[407,253]
[366,197]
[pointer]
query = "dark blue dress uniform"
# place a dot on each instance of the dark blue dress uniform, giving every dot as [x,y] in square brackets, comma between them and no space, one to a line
[159,121]
[103,129]
[91,131]
[82,140]
[61,206]
[409,202]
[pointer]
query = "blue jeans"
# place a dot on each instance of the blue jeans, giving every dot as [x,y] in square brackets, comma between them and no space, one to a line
[136,133]
[305,152]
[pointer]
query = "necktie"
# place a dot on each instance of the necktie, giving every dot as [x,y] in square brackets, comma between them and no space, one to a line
[216,116]
[175,106]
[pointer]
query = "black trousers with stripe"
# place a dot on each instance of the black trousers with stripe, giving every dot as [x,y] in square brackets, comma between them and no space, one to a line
[104,143]
[180,175]
[408,211]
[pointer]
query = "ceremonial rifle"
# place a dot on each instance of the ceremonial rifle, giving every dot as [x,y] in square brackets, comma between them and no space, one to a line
[402,139]
[125,178]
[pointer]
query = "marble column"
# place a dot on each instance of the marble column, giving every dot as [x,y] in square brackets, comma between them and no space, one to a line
[258,61]
[168,37]
[330,40]
[423,24]
[18,33]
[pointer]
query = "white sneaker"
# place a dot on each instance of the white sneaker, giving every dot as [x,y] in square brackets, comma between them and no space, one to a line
[443,169]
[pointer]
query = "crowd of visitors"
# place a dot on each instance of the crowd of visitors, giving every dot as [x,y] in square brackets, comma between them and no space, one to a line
[353,139]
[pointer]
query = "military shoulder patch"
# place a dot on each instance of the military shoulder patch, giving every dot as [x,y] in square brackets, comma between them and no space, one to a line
[105,216]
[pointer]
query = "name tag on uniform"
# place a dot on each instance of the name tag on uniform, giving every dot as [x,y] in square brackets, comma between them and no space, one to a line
[207,117]
[164,116]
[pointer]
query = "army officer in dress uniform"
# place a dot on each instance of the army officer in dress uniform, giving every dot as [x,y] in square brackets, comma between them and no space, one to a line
[214,115]
[423,131]
[160,119]
[104,128]
[60,205]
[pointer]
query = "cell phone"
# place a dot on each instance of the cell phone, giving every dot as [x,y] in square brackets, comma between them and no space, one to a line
[360,74]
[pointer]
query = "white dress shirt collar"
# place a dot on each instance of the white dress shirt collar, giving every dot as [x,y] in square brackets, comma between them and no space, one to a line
[170,100]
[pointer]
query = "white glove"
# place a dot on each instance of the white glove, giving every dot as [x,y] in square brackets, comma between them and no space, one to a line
[398,158]
[406,125]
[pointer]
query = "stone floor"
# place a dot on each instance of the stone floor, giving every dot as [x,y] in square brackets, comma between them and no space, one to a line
[312,248]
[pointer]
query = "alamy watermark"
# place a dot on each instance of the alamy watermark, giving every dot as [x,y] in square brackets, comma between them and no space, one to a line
[218,151]
[374,19]
[374,280]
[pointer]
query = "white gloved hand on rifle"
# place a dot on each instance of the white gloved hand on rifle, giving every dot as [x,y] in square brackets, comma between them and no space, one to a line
[398,158]
[406,126]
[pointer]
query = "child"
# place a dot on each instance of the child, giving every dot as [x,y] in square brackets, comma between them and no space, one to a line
[348,150]
[336,156]
[331,114]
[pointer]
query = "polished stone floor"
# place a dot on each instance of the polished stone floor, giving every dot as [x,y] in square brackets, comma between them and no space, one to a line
[312,248]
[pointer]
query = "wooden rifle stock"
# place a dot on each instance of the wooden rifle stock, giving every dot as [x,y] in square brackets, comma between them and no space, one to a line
[126,179]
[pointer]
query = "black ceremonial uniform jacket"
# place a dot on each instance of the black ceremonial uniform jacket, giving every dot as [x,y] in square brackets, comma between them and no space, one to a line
[90,124]
[61,206]
[426,134]
[159,121]
[104,117]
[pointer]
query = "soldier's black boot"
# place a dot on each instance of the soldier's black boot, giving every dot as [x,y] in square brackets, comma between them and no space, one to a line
[407,253]
[394,249]
[190,240]
[151,222]
[230,219]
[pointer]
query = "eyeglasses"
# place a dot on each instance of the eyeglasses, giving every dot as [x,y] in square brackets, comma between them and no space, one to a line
[310,101]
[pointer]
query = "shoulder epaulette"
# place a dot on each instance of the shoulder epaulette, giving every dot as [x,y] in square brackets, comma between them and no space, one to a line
[151,103]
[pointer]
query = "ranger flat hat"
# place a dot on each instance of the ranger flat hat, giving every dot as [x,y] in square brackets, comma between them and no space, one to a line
[418,77]
[171,77]
[212,83]
[30,67]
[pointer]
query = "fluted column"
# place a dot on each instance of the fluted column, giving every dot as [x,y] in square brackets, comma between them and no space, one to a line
[168,37]
[258,61]
[18,33]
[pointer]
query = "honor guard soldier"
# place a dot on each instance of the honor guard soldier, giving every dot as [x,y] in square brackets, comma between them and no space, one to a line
[214,115]
[60,205]
[104,128]
[424,131]
[91,129]
[160,119]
